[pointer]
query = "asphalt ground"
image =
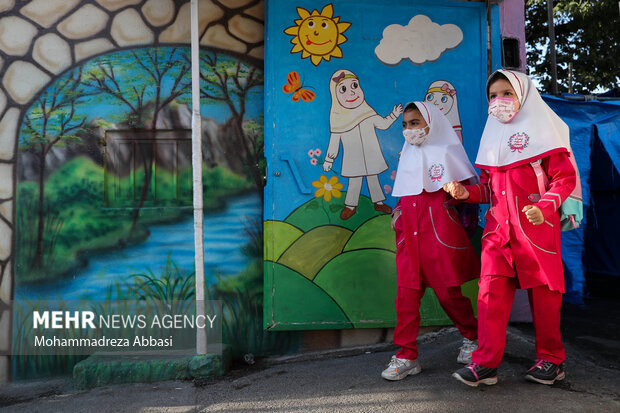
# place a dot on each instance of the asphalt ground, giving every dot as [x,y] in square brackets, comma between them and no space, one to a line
[349,380]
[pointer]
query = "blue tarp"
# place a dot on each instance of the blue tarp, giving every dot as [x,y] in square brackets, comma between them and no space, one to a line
[595,139]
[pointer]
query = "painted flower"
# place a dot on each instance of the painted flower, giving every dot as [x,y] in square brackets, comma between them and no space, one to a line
[311,153]
[313,161]
[393,176]
[327,188]
[387,189]
[317,152]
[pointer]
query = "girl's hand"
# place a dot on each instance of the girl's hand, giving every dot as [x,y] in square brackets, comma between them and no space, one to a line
[533,214]
[456,189]
[395,216]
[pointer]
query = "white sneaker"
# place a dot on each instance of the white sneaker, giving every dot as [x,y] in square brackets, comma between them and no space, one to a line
[467,348]
[398,369]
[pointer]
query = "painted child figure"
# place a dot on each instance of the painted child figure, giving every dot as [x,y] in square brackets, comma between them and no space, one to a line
[432,248]
[352,122]
[521,239]
[443,94]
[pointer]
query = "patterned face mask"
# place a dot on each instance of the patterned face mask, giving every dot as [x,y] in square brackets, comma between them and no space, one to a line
[502,109]
[415,136]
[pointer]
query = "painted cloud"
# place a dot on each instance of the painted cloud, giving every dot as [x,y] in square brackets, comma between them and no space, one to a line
[420,41]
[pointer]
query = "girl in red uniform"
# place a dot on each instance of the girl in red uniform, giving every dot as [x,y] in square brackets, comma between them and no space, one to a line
[521,239]
[433,249]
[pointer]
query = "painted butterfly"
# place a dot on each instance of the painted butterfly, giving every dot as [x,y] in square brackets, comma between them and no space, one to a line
[294,86]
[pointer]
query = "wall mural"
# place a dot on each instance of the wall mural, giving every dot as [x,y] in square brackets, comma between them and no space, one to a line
[95,181]
[329,247]
[96,106]
[295,86]
[352,124]
[443,95]
[318,35]
[104,188]
[114,132]
[420,41]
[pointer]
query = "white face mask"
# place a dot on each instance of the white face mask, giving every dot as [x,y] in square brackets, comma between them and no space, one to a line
[502,109]
[415,136]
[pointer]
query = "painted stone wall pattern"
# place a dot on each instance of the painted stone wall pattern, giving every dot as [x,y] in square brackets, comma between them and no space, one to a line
[218,36]
[158,12]
[85,22]
[5,286]
[47,12]
[5,242]
[248,30]
[52,52]
[6,5]
[16,35]
[179,31]
[114,5]
[129,29]
[93,47]
[22,80]
[8,127]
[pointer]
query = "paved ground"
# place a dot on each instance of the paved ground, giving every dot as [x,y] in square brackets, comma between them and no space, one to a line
[330,382]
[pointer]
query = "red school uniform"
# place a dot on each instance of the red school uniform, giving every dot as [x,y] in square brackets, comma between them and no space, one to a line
[509,240]
[514,251]
[433,249]
[510,243]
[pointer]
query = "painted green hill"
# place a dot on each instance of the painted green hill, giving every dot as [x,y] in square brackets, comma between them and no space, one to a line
[310,252]
[317,212]
[279,236]
[298,299]
[363,283]
[374,233]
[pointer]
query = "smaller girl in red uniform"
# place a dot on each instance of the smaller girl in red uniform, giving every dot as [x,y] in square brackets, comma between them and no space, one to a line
[432,249]
[521,239]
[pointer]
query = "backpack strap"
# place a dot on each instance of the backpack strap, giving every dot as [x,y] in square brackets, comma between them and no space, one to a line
[541,176]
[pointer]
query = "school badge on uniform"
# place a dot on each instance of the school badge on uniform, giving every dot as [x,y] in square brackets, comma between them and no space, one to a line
[518,142]
[436,172]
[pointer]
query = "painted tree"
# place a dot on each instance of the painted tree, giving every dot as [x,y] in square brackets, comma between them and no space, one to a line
[52,121]
[151,79]
[587,33]
[231,82]
[255,132]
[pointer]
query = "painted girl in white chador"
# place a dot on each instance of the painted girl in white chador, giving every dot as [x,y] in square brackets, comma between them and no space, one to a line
[353,122]
[442,94]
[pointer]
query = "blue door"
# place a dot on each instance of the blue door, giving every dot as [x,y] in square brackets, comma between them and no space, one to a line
[329,247]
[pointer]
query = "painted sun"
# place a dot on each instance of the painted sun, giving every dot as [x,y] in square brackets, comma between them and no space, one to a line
[317,35]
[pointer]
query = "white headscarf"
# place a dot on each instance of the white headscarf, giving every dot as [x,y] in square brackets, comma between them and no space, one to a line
[440,159]
[534,133]
[342,119]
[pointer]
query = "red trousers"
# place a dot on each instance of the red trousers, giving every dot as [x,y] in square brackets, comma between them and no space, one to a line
[495,299]
[456,306]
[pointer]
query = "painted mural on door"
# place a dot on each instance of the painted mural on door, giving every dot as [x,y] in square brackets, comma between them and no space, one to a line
[332,151]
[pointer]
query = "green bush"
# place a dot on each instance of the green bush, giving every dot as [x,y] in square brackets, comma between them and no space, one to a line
[76,222]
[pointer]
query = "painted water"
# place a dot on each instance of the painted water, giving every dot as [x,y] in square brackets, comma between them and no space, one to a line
[224,238]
